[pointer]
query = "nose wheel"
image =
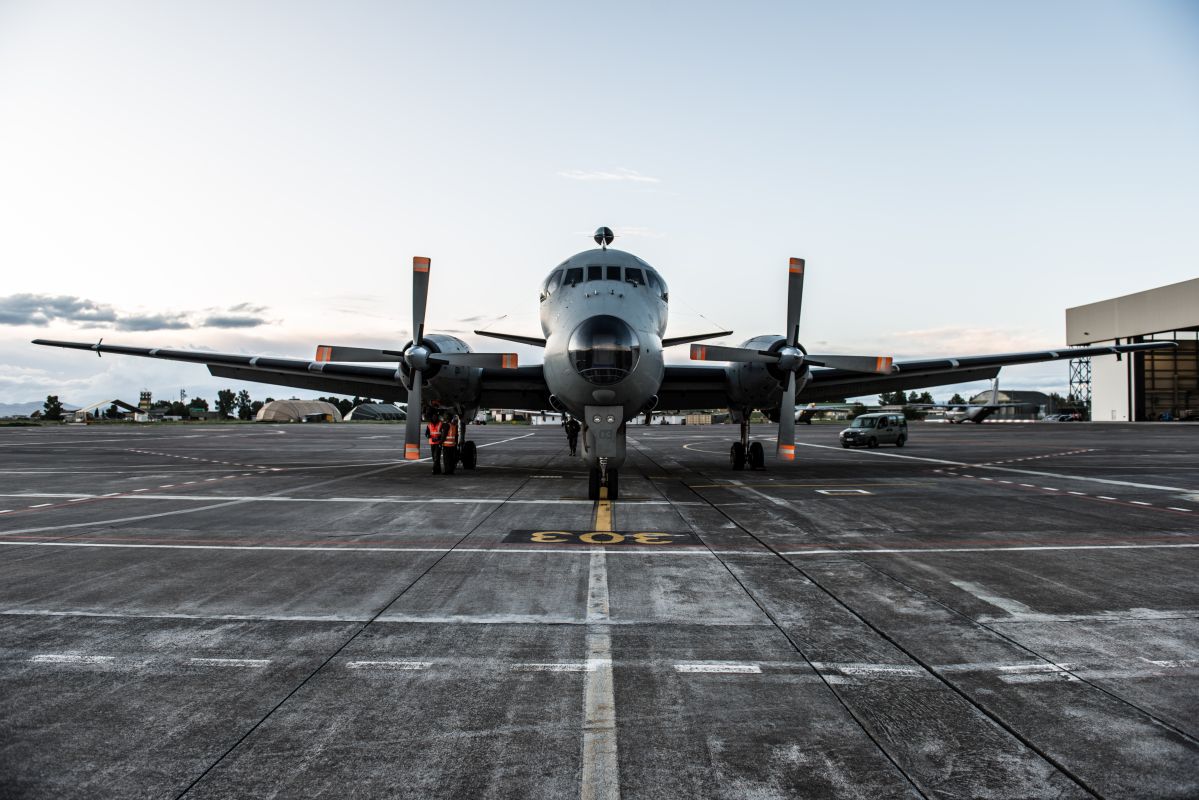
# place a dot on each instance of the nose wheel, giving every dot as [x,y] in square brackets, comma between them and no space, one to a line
[599,478]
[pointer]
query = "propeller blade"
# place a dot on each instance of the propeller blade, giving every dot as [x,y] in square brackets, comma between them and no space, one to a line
[415,413]
[879,364]
[794,300]
[786,442]
[715,352]
[420,296]
[498,360]
[671,341]
[332,352]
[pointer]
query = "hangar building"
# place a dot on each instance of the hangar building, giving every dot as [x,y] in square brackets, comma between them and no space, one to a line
[298,411]
[1158,385]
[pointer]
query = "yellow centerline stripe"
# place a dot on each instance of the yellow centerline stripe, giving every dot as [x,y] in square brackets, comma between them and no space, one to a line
[603,515]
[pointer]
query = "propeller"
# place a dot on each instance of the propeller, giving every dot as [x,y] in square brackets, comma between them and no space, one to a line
[419,356]
[790,358]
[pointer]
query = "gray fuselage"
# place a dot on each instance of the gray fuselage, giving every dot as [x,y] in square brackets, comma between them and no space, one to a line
[603,313]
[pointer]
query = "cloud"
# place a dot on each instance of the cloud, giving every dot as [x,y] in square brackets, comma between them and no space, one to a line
[619,174]
[231,321]
[41,310]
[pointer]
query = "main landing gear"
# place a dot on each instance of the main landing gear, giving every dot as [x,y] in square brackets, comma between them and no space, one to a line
[600,477]
[747,452]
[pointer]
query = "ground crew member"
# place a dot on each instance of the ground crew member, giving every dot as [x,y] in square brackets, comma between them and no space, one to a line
[435,433]
[572,433]
[449,444]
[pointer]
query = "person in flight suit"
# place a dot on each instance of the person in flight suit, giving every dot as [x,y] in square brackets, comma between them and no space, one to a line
[449,444]
[572,433]
[435,433]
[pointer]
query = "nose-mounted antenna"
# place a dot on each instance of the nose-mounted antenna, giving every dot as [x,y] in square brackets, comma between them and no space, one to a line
[603,237]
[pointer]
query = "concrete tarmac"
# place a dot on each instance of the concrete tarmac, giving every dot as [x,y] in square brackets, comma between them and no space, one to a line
[992,611]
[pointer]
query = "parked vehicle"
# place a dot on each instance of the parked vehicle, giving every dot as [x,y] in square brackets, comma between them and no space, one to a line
[871,430]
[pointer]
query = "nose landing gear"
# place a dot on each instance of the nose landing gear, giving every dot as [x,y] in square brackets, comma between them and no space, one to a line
[601,477]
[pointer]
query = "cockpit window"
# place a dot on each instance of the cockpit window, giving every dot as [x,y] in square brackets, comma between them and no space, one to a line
[551,283]
[613,273]
[595,273]
[573,275]
[633,275]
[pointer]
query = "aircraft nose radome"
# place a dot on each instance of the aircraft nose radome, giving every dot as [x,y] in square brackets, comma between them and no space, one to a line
[604,349]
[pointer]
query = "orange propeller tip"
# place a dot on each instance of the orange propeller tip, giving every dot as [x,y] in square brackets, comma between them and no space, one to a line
[797,265]
[420,264]
[699,352]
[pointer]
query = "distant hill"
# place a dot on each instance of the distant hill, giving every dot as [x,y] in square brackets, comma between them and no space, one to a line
[25,409]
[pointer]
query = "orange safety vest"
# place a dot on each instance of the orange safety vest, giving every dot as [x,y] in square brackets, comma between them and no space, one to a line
[435,432]
[451,435]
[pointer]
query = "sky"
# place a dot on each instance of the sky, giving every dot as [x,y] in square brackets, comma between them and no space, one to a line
[255,177]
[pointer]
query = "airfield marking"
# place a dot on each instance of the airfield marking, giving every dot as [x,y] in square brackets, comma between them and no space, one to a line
[601,777]
[1104,497]
[1061,476]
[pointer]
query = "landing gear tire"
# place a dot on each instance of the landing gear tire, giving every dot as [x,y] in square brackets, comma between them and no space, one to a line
[899,441]
[737,455]
[613,484]
[593,484]
[757,456]
[469,456]
[873,443]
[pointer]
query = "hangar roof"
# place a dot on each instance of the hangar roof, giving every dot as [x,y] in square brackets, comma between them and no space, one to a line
[1161,310]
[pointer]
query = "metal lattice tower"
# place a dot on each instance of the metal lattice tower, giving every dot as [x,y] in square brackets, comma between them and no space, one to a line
[1080,381]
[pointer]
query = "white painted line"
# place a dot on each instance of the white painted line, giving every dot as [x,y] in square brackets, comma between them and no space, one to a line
[41,505]
[1104,497]
[81,499]
[1061,476]
[573,552]
[167,486]
[884,551]
[601,775]
[230,662]
[842,492]
[1050,489]
[141,490]
[402,665]
[5,510]
[1079,494]
[1008,482]
[1140,503]
[986,479]
[1176,508]
[982,593]
[585,666]
[188,483]
[110,494]
[720,668]
[72,659]
[1028,486]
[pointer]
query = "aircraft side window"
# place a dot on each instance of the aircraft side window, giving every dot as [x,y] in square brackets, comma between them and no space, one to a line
[573,275]
[613,273]
[633,275]
[595,273]
[652,280]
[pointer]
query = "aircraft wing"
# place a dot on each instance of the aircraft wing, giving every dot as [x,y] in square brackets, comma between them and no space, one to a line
[502,388]
[836,383]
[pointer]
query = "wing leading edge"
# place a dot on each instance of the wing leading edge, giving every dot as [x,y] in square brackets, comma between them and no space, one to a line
[524,386]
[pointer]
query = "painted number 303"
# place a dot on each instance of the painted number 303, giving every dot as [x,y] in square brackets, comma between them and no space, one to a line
[600,537]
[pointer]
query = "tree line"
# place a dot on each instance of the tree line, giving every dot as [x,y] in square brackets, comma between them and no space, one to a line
[227,403]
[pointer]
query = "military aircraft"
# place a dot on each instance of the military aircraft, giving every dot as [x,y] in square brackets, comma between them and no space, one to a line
[603,316]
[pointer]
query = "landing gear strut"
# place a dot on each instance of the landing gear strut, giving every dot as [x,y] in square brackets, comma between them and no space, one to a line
[602,476]
[745,451]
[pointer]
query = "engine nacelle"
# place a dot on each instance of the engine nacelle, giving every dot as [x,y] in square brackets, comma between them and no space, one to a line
[760,386]
[447,385]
